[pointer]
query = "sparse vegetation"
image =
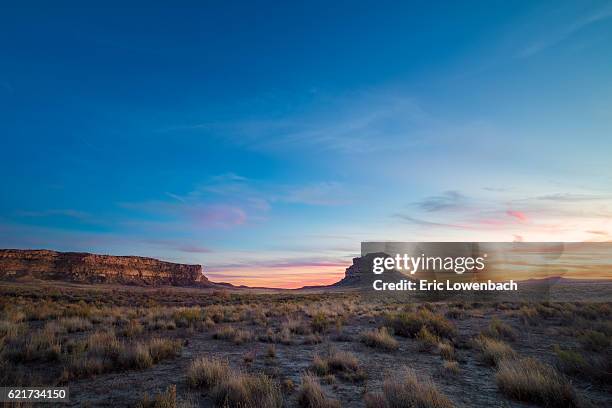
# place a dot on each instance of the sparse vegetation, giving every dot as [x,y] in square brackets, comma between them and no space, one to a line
[494,351]
[311,394]
[530,380]
[407,390]
[342,363]
[379,338]
[409,324]
[59,335]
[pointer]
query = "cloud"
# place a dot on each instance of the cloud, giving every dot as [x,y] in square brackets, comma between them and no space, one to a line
[553,37]
[53,213]
[194,249]
[448,200]
[218,216]
[357,123]
[598,232]
[425,223]
[262,194]
[570,197]
[519,215]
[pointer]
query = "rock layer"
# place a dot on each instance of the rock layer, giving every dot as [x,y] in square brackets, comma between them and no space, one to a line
[92,268]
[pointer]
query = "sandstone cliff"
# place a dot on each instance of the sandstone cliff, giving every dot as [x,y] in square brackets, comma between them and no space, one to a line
[92,268]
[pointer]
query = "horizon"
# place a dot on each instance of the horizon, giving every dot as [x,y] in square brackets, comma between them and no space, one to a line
[267,144]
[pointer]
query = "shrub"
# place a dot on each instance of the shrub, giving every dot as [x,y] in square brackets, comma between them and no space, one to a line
[494,351]
[247,390]
[161,349]
[408,324]
[406,390]
[238,336]
[427,340]
[312,396]
[42,345]
[594,340]
[380,338]
[500,330]
[206,372]
[319,323]
[165,399]
[132,329]
[446,350]
[529,315]
[74,324]
[189,315]
[342,363]
[570,361]
[136,356]
[530,380]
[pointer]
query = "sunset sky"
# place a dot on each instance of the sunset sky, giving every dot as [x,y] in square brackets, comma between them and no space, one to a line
[267,140]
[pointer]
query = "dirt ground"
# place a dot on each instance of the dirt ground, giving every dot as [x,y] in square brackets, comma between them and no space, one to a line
[49,338]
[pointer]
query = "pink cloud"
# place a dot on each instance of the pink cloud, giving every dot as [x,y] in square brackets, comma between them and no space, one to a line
[519,215]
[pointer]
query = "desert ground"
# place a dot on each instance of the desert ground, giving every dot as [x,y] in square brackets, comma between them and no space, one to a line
[178,347]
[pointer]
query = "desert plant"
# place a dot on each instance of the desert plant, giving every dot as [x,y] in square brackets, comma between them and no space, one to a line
[380,338]
[165,399]
[407,390]
[427,340]
[247,390]
[311,394]
[594,340]
[530,380]
[207,372]
[500,330]
[494,351]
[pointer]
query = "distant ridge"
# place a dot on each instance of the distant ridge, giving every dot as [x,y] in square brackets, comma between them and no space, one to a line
[85,267]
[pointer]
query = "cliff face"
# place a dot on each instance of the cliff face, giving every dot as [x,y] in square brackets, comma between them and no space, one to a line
[92,268]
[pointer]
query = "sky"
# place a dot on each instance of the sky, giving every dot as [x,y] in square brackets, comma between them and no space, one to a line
[266,140]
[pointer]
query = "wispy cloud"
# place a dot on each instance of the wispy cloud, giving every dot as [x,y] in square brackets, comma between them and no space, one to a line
[358,123]
[553,37]
[54,213]
[446,201]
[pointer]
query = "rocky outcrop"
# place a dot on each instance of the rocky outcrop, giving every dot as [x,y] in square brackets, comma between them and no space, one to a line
[92,268]
[360,274]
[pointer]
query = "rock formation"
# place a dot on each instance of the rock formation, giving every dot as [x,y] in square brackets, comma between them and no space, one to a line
[360,274]
[92,268]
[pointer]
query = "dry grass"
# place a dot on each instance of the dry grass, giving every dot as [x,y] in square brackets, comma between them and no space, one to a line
[165,399]
[42,345]
[341,363]
[409,324]
[407,390]
[311,394]
[446,350]
[238,336]
[500,330]
[379,338]
[427,340]
[451,367]
[530,380]
[229,388]
[494,351]
[207,372]
[242,390]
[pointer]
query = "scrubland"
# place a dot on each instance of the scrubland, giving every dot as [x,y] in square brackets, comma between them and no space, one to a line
[123,346]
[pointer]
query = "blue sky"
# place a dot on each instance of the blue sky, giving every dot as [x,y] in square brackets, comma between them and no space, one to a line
[267,140]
